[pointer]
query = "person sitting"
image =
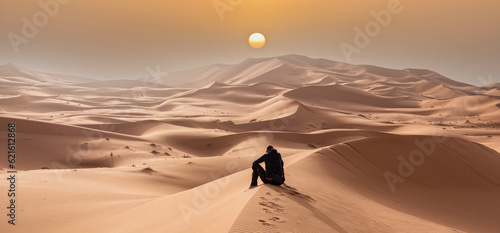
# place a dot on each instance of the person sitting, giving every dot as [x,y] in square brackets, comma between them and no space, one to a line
[274,173]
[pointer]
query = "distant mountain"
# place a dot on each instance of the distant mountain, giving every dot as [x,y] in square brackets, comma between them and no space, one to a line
[11,70]
[300,70]
[18,74]
[270,88]
[324,79]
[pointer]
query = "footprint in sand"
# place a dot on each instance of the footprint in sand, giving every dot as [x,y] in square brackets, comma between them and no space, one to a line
[271,205]
[265,223]
[267,210]
[277,219]
[276,207]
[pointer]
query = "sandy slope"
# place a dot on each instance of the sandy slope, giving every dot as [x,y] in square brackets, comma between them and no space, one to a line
[366,149]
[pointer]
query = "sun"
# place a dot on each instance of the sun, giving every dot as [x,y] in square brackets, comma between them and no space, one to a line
[257,40]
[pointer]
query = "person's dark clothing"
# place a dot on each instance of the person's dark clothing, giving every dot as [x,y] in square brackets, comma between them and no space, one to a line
[274,173]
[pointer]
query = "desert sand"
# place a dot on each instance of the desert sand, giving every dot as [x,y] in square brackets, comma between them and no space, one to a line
[366,149]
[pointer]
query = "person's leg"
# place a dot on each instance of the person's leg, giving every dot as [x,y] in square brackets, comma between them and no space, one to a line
[254,178]
[258,171]
[278,181]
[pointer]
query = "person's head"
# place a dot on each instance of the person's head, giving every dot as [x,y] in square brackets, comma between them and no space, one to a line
[269,148]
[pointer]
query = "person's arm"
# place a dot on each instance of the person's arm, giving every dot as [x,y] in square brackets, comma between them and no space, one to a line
[260,160]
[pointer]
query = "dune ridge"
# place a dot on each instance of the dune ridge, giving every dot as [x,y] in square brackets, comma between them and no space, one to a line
[366,149]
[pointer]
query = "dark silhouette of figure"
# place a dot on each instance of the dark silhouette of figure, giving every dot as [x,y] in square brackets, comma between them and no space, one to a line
[274,173]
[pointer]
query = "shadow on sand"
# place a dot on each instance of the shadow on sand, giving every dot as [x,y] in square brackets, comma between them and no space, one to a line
[305,201]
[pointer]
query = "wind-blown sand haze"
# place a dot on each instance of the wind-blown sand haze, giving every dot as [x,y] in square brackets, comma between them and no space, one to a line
[366,149]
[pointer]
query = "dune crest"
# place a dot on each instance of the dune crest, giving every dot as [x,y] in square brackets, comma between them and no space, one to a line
[366,149]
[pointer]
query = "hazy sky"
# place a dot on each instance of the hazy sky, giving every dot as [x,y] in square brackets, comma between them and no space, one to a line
[118,39]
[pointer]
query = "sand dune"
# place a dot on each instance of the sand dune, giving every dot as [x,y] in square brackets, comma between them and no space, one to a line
[366,149]
[342,95]
[19,73]
[354,196]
